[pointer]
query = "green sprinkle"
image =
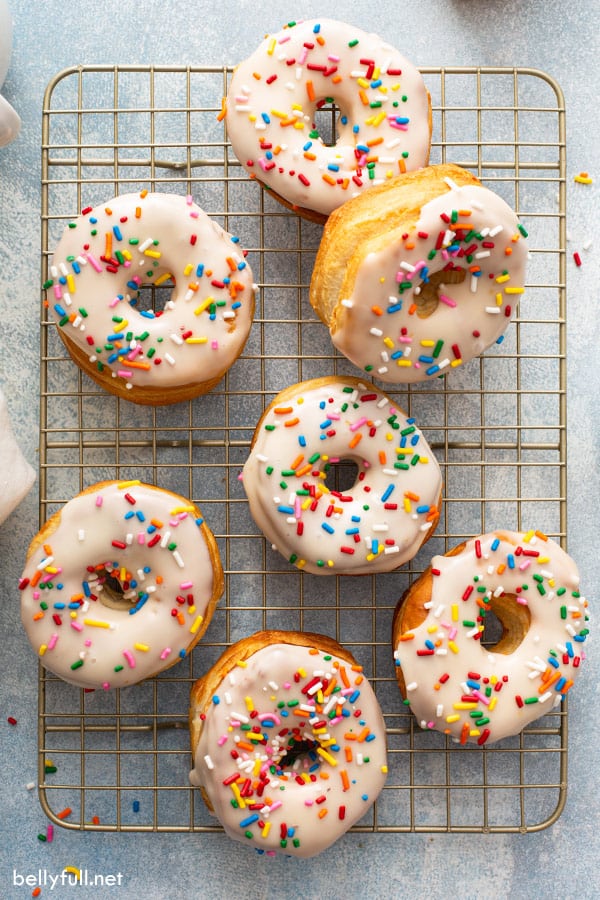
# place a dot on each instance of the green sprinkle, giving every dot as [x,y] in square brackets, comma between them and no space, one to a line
[530,700]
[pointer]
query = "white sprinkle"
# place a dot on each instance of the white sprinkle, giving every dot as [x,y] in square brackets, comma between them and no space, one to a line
[81,534]
[178,559]
[209,763]
[169,359]
[177,339]
[493,310]
[412,686]
[348,304]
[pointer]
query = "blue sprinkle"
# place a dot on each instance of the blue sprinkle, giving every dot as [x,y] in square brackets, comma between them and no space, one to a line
[395,307]
[317,28]
[129,515]
[147,570]
[76,267]
[351,531]
[59,309]
[325,424]
[249,820]
[266,118]
[182,653]
[388,492]
[140,515]
[511,561]
[136,805]
[147,313]
[569,647]
[354,696]
[151,529]
[236,305]
[216,700]
[402,120]
[363,148]
[117,233]
[397,354]
[302,440]
[370,737]
[415,440]
[355,129]
[365,797]
[475,685]
[376,84]
[431,646]
[235,239]
[199,522]
[86,589]
[500,339]
[322,404]
[375,547]
[432,370]
[289,510]
[560,684]
[328,528]
[423,509]
[333,167]
[553,662]
[199,270]
[74,604]
[355,519]
[495,544]
[133,285]
[426,359]
[138,605]
[307,145]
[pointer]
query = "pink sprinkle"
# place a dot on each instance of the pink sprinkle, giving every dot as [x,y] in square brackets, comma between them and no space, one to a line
[524,565]
[57,291]
[52,641]
[124,373]
[141,538]
[447,300]
[77,626]
[106,686]
[130,659]
[358,424]
[186,585]
[214,345]
[93,262]
[166,652]
[50,833]
[482,698]
[189,200]
[114,301]
[99,500]
[452,634]
[522,601]
[222,740]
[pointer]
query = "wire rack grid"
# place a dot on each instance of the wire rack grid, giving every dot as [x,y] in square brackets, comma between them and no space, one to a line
[120,761]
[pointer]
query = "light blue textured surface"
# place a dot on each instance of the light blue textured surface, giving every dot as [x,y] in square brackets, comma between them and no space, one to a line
[557,38]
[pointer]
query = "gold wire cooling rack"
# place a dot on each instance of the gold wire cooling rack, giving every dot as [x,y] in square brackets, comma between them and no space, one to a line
[120,761]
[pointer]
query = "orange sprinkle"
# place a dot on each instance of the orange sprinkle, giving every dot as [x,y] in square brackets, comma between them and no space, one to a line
[328,179]
[297,461]
[549,682]
[95,820]
[412,309]
[541,535]
[464,212]
[377,310]
[303,470]
[37,616]
[567,686]
[291,422]
[157,523]
[363,98]
[412,496]
[323,813]
[464,733]
[320,40]
[402,165]
[309,155]
[245,746]
[355,440]
[144,193]
[223,111]
[256,75]
[374,142]
[35,578]
[336,79]
[181,618]
[408,636]
[282,410]
[344,676]
[364,734]
[231,263]
[345,780]
[348,754]
[303,713]
[132,364]
[64,813]
[108,244]
[508,251]
[382,457]
[310,90]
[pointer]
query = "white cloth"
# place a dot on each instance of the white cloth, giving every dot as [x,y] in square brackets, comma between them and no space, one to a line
[16,475]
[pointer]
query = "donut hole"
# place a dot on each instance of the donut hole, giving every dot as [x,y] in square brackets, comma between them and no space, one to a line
[299,754]
[341,474]
[505,624]
[151,298]
[114,594]
[427,293]
[325,126]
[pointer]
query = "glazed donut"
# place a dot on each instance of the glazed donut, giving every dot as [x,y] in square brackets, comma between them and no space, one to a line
[481,694]
[119,584]
[419,275]
[288,742]
[374,526]
[99,267]
[384,126]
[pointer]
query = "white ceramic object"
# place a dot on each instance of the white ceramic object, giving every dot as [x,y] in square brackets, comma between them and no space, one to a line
[16,475]
[10,123]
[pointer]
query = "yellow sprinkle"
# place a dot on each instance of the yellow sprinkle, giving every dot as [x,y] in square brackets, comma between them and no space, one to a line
[181,509]
[43,648]
[502,278]
[453,646]
[514,290]
[406,505]
[427,343]
[327,756]
[431,629]
[249,703]
[199,340]
[266,829]
[492,703]
[196,624]
[462,705]
[403,362]
[498,299]
[155,254]
[388,343]
[204,305]
[271,47]
[236,793]
[73,871]
[123,485]
[279,114]
[455,612]
[166,276]
[456,362]
[583,178]
[71,284]
[96,623]
[143,647]
[454,718]
[362,82]
[188,269]
[242,663]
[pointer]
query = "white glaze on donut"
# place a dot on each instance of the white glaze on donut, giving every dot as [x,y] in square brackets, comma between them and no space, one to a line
[456,685]
[383,129]
[376,525]
[111,251]
[154,545]
[280,696]
[468,229]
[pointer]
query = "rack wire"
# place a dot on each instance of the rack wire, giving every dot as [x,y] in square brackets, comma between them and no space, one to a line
[120,761]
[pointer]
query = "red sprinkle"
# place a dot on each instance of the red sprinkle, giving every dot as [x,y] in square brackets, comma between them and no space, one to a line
[577,259]
[11,720]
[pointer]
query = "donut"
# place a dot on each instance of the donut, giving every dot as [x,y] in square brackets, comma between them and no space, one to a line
[114,251]
[383,128]
[476,693]
[378,523]
[119,584]
[288,742]
[419,275]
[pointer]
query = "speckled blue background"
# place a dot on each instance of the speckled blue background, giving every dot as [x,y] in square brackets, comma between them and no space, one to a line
[561,39]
